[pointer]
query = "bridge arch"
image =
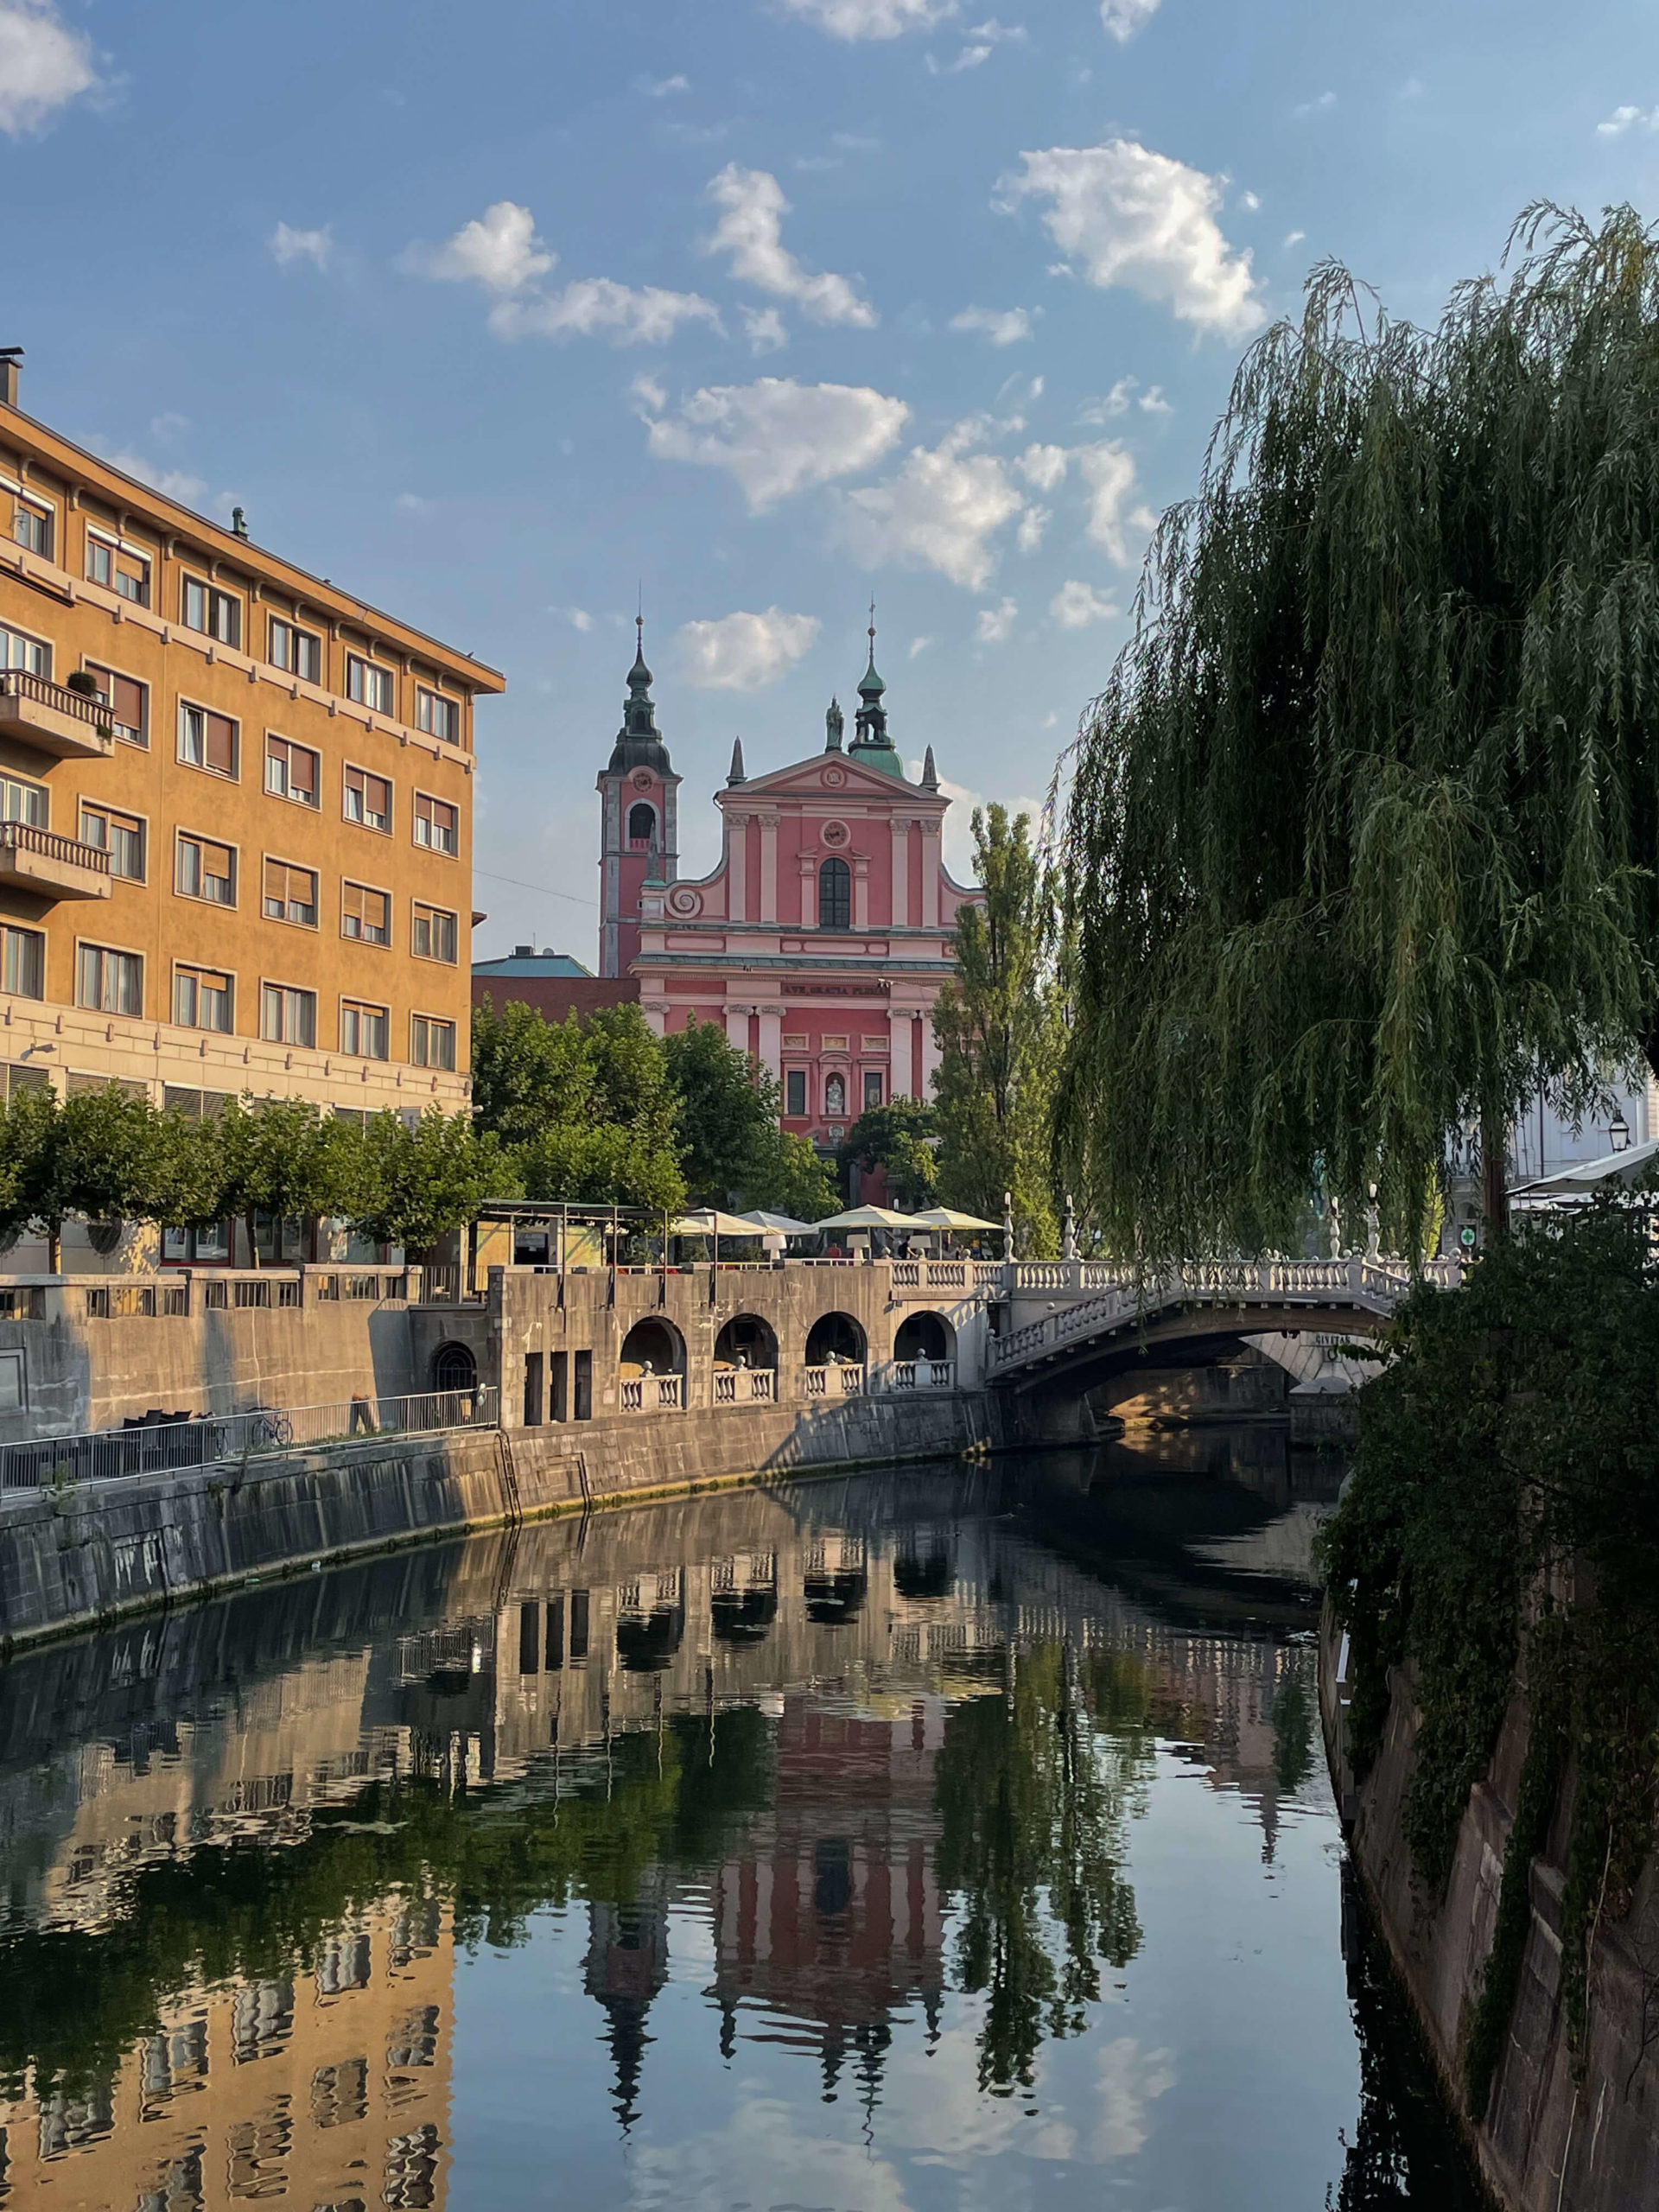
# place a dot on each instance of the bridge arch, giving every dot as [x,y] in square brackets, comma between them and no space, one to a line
[653,1345]
[925,1335]
[747,1340]
[455,1368]
[837,1337]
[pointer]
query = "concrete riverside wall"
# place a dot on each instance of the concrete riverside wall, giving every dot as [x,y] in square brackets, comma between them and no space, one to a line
[70,1560]
[1556,2138]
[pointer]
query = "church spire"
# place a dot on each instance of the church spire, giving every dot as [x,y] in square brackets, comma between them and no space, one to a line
[737,775]
[639,742]
[871,743]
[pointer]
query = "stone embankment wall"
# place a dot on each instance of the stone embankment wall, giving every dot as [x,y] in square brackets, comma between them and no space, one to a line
[69,1560]
[1563,2132]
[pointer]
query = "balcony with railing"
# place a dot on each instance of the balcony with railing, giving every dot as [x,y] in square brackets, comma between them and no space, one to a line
[51,866]
[69,725]
[745,1386]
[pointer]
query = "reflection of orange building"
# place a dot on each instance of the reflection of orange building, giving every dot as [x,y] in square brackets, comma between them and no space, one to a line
[323,2088]
[830,1919]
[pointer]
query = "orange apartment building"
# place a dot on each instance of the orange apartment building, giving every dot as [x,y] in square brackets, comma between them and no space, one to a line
[235,808]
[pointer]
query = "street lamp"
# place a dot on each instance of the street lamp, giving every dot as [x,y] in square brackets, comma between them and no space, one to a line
[1619,1132]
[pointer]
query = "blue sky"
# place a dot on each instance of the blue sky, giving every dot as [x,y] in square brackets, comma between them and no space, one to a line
[494,314]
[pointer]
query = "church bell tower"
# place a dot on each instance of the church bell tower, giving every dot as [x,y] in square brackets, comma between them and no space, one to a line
[639,819]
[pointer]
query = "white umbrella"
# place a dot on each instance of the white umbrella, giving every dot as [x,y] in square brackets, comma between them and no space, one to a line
[948,1218]
[1585,1176]
[711,1222]
[779,1224]
[869,1217]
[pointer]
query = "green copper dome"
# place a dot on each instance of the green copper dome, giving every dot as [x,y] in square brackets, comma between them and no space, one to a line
[871,743]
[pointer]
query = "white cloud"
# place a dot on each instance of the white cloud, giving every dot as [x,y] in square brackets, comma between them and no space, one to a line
[169,426]
[1133,217]
[1325,101]
[1628,119]
[1044,467]
[661,88]
[750,230]
[173,483]
[1109,470]
[1121,19]
[579,618]
[649,391]
[742,652]
[598,307]
[984,39]
[917,646]
[1033,523]
[1002,325]
[498,249]
[43,66]
[970,58]
[777,436]
[943,508]
[289,246]
[1250,201]
[1075,606]
[858,19]
[995,624]
[764,329]
[411,503]
[1294,237]
[1152,401]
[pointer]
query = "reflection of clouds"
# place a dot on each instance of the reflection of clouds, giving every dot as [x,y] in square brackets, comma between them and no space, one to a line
[763,2157]
[936,2111]
[1129,2079]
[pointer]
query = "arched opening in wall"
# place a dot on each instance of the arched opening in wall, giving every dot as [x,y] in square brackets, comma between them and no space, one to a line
[835,1098]
[923,1567]
[834,1598]
[744,1616]
[653,1347]
[746,1341]
[835,1340]
[453,1368]
[642,826]
[925,1336]
[648,1638]
[834,895]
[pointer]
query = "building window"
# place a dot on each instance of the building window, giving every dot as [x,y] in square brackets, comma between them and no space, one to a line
[435,936]
[290,895]
[287,1016]
[32,527]
[364,1030]
[834,895]
[438,716]
[437,825]
[368,800]
[128,702]
[368,684]
[25,963]
[874,1084]
[432,1043]
[19,650]
[642,825]
[118,567]
[298,652]
[795,1094]
[120,836]
[835,1097]
[364,913]
[201,999]
[23,802]
[214,613]
[109,982]
[207,741]
[205,869]
[292,772]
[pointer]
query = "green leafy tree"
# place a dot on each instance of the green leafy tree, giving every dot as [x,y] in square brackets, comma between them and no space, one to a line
[790,1178]
[902,1138]
[414,1184]
[583,1108]
[1365,835]
[92,1154]
[1001,1028]
[728,1112]
[188,1174]
[284,1158]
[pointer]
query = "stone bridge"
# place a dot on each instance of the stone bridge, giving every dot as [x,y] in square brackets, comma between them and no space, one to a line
[1070,1326]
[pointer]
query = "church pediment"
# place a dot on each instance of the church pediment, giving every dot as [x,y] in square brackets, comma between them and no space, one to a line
[830,776]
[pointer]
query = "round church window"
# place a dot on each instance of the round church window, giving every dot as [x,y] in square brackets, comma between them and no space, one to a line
[834,778]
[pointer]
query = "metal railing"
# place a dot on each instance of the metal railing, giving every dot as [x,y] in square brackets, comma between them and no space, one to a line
[20,683]
[745,1386]
[652,1394]
[147,1446]
[26,837]
[844,1379]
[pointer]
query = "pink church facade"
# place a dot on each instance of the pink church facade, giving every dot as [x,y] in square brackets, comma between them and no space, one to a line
[820,941]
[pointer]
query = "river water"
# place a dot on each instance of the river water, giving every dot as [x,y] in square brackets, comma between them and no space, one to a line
[947,1837]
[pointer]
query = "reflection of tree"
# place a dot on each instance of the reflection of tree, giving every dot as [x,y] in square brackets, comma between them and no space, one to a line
[1030,1802]
[1292,1724]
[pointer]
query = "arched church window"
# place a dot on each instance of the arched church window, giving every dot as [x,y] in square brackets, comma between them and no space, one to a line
[834,895]
[642,825]
[835,1098]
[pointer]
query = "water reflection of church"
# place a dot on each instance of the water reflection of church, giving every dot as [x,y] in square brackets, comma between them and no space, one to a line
[852,1617]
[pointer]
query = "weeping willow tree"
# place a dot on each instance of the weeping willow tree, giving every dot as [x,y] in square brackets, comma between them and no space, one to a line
[1364,832]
